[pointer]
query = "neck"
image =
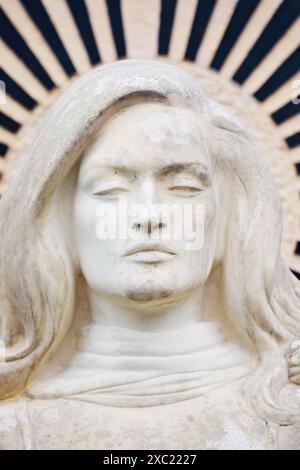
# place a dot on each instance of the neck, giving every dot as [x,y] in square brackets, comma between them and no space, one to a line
[155,317]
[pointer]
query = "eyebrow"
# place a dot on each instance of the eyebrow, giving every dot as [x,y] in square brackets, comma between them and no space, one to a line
[94,172]
[199,170]
[196,169]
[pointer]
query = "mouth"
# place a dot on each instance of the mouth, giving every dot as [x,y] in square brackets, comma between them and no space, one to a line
[149,253]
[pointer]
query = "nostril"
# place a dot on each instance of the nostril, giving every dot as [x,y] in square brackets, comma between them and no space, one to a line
[148,226]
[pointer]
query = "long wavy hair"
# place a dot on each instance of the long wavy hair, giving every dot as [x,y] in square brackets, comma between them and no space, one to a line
[38,280]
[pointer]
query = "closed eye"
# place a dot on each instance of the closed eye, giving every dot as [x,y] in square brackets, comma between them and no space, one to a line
[185,189]
[110,191]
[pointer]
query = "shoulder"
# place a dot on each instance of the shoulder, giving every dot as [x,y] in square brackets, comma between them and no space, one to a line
[11,433]
[289,437]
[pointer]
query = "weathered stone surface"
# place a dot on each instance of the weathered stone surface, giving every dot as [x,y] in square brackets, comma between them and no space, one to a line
[146,340]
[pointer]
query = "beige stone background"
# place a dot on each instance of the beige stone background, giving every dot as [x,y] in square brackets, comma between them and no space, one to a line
[143,23]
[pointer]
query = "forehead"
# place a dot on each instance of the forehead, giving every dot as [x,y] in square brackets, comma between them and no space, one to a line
[147,135]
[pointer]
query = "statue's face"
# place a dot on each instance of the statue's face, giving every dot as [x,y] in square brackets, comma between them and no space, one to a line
[146,156]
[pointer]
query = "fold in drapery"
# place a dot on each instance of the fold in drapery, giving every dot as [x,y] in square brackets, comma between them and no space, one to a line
[121,367]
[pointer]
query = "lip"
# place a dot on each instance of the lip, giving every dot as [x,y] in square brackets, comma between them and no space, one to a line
[150,253]
[141,247]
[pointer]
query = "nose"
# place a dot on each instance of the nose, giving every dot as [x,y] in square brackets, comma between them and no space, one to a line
[148,217]
[148,226]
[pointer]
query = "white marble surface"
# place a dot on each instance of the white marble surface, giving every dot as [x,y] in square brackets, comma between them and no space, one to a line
[143,341]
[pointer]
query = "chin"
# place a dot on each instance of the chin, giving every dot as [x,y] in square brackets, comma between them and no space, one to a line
[147,293]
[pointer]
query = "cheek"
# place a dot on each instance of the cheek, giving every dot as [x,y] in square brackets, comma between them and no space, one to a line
[92,252]
[94,223]
[210,215]
[84,217]
[201,260]
[211,223]
[204,222]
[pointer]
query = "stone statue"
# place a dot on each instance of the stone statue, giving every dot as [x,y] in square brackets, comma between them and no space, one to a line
[143,341]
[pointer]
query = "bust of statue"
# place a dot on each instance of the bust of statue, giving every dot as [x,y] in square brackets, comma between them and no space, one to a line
[144,301]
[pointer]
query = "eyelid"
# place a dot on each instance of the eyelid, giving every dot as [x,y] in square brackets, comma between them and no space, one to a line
[186,184]
[107,188]
[186,179]
[192,189]
[109,191]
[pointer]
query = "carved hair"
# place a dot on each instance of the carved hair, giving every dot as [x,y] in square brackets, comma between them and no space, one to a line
[38,274]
